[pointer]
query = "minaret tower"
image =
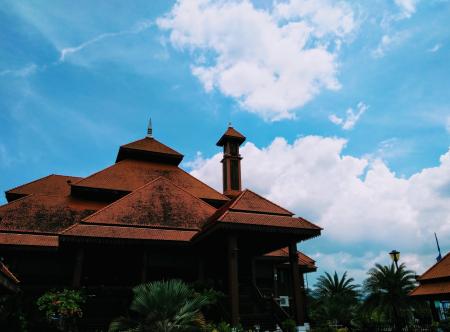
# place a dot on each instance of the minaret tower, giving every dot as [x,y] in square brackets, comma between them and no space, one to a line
[231,162]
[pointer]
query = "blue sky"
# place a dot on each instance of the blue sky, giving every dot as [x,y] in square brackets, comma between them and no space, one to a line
[364,84]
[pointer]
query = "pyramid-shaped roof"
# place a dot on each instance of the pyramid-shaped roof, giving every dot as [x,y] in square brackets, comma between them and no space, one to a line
[151,149]
[231,134]
[130,174]
[159,203]
[252,202]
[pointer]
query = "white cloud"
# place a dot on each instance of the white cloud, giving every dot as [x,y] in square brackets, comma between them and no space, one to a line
[137,28]
[389,42]
[21,72]
[360,203]
[407,7]
[351,117]
[435,48]
[271,61]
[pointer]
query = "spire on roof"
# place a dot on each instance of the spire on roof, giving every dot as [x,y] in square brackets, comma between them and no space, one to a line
[149,129]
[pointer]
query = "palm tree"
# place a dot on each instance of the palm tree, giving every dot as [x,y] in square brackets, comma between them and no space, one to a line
[163,306]
[336,298]
[387,290]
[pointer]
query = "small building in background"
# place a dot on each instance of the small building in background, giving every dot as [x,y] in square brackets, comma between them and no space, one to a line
[434,286]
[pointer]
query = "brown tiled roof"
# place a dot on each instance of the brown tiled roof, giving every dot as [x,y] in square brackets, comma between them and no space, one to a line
[158,203]
[303,260]
[233,134]
[250,201]
[44,213]
[52,185]
[129,175]
[435,288]
[266,220]
[149,148]
[439,270]
[130,233]
[25,239]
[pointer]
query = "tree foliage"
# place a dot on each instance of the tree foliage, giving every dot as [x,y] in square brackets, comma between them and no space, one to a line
[335,299]
[387,290]
[163,306]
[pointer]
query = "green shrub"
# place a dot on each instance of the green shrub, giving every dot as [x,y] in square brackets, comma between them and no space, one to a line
[289,325]
[62,308]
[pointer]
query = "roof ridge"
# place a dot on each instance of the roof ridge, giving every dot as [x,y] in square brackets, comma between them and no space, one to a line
[18,200]
[120,199]
[226,198]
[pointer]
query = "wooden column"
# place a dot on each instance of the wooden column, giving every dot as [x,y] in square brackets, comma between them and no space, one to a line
[303,296]
[233,282]
[201,269]
[144,266]
[296,287]
[78,268]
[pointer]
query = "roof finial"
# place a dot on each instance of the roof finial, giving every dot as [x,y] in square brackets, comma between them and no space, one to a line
[150,129]
[229,124]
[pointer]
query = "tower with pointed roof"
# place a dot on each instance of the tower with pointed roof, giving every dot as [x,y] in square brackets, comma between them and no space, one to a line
[231,162]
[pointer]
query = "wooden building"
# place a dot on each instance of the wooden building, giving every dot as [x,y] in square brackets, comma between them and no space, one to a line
[434,286]
[144,218]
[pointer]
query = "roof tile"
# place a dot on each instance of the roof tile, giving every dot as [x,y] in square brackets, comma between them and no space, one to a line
[131,233]
[52,185]
[158,203]
[439,270]
[250,201]
[129,175]
[44,213]
[23,239]
[439,288]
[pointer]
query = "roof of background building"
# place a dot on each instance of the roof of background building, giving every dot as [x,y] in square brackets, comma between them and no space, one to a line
[303,260]
[439,270]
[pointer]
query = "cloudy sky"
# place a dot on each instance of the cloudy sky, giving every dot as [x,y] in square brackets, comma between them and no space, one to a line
[345,105]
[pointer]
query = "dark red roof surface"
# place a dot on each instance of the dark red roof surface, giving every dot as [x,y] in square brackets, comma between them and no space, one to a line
[44,213]
[149,149]
[303,260]
[130,233]
[266,220]
[439,270]
[429,289]
[232,134]
[250,201]
[129,175]
[24,239]
[52,184]
[158,203]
